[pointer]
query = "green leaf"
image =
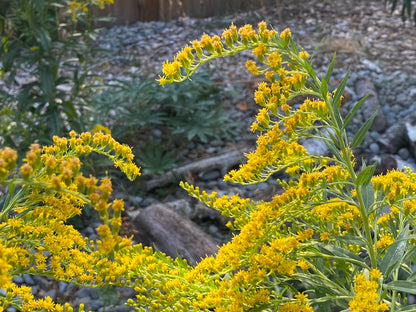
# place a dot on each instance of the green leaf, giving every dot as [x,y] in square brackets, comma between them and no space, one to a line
[318,284]
[402,286]
[368,195]
[353,111]
[410,308]
[364,177]
[324,87]
[310,70]
[340,90]
[363,131]
[351,240]
[44,39]
[342,253]
[47,83]
[330,69]
[293,45]
[334,150]
[395,253]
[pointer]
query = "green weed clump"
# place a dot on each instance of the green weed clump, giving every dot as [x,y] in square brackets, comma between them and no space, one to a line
[338,238]
[49,44]
[190,111]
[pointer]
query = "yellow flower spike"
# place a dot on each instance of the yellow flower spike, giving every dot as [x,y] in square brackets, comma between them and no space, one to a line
[286,35]
[228,35]
[270,77]
[251,66]
[206,43]
[217,44]
[183,57]
[172,70]
[247,34]
[259,98]
[303,55]
[260,51]
[375,274]
[263,118]
[324,237]
[26,171]
[255,127]
[198,49]
[366,296]
[162,81]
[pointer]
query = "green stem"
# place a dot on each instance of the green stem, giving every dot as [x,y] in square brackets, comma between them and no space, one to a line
[342,144]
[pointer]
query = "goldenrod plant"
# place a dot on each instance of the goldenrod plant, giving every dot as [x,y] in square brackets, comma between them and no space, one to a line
[337,239]
[83,6]
[51,188]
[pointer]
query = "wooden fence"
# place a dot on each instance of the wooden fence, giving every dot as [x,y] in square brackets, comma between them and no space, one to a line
[131,11]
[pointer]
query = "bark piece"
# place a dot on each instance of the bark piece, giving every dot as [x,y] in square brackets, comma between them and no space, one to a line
[172,233]
[221,162]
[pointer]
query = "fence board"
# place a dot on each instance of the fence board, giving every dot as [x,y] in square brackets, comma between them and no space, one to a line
[131,11]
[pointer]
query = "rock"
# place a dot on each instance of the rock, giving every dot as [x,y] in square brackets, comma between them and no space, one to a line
[365,86]
[51,293]
[374,148]
[315,147]
[172,233]
[393,139]
[209,175]
[96,304]
[28,279]
[85,292]
[371,66]
[404,153]
[401,164]
[385,163]
[410,129]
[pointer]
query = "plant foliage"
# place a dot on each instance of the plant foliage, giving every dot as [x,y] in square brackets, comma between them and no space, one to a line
[338,238]
[48,43]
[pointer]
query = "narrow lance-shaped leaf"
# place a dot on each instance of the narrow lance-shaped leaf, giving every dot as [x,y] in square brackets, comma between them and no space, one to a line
[330,68]
[336,100]
[324,87]
[366,174]
[343,253]
[340,90]
[334,150]
[395,253]
[363,130]
[367,192]
[402,286]
[353,111]
[409,308]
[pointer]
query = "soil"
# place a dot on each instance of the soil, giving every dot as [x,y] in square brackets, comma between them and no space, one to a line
[355,29]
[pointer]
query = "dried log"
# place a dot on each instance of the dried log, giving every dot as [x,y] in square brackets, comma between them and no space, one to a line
[222,162]
[172,233]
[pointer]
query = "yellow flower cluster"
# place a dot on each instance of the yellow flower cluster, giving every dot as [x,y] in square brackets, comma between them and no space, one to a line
[5,266]
[395,185]
[35,239]
[8,159]
[300,305]
[78,6]
[366,294]
[231,40]
[337,212]
[254,253]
